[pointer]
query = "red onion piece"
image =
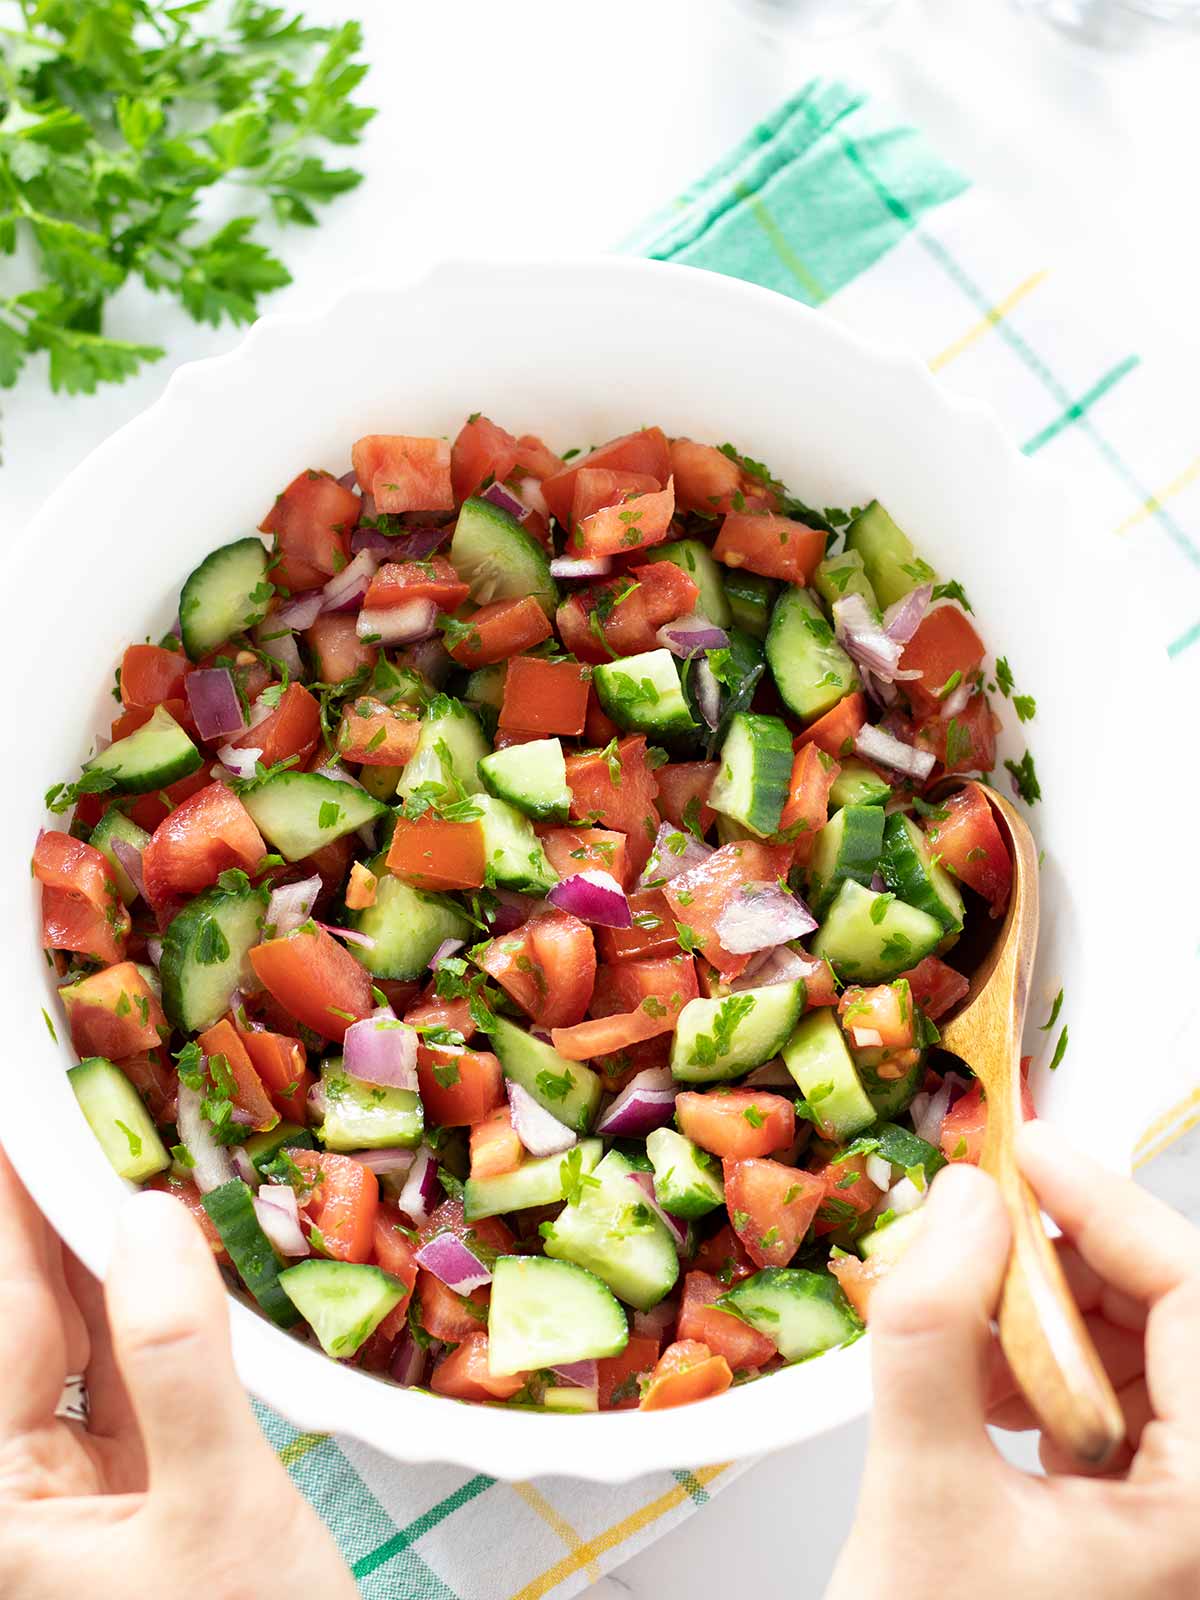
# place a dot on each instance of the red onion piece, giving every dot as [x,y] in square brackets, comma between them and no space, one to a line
[646,1102]
[130,858]
[241,760]
[212,1165]
[154,949]
[345,589]
[676,1228]
[497,495]
[874,744]
[278,642]
[539,1130]
[761,916]
[691,636]
[957,701]
[410,1364]
[402,624]
[593,896]
[385,1163]
[675,850]
[864,640]
[431,659]
[902,619]
[879,1171]
[213,700]
[301,611]
[445,949]
[449,1259]
[581,566]
[279,1218]
[374,541]
[383,1051]
[512,910]
[290,905]
[349,480]
[771,1075]
[350,935]
[658,1321]
[708,693]
[928,1122]
[419,1194]
[778,966]
[581,1374]
[244,1167]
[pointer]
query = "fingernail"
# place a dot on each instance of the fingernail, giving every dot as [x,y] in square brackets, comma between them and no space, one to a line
[150,1216]
[959,1195]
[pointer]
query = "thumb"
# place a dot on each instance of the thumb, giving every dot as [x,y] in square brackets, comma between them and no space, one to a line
[931,1319]
[170,1328]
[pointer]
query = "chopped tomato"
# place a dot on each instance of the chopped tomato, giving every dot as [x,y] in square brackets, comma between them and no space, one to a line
[699,896]
[155,1079]
[617,1376]
[724,1334]
[397,1256]
[312,521]
[292,729]
[944,644]
[248,1095]
[606,620]
[706,479]
[820,985]
[617,1069]
[837,730]
[604,1035]
[635,522]
[618,795]
[724,1257]
[878,1018]
[806,809]
[342,1204]
[599,487]
[150,675]
[459,1089]
[336,647]
[500,630]
[81,904]
[970,845]
[281,1064]
[209,833]
[138,716]
[666,590]
[537,459]
[572,850]
[446,1315]
[683,788]
[849,1193]
[495,1148]
[645,452]
[935,987]
[377,735]
[398,582]
[148,810]
[404,473]
[771,1207]
[330,862]
[736,1122]
[965,1124]
[464,1374]
[652,933]
[433,854]
[186,1192]
[548,966]
[963,743]
[433,1010]
[113,1013]
[491,1233]
[360,891]
[599,729]
[315,979]
[481,451]
[686,1371]
[773,546]
[669,981]
[544,697]
[858,1279]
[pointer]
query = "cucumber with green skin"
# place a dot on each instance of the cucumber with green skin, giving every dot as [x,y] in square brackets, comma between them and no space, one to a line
[891,564]
[609,1229]
[544,1313]
[811,670]
[538,1181]
[204,955]
[869,938]
[405,926]
[801,1312]
[910,870]
[231,1209]
[751,785]
[449,749]
[514,855]
[642,694]
[750,600]
[857,785]
[568,1090]
[532,777]
[687,1179]
[114,825]
[367,1116]
[227,594]
[696,560]
[820,1062]
[847,847]
[299,812]
[343,1302]
[150,758]
[492,553]
[720,1039]
[116,1115]
[839,576]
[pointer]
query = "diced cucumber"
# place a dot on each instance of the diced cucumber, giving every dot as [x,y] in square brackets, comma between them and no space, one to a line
[818,1059]
[298,812]
[847,847]
[569,1397]
[513,852]
[731,832]
[150,758]
[838,576]
[116,1115]
[485,686]
[751,786]
[609,1229]
[226,594]
[718,1039]
[642,693]
[696,560]
[566,1089]
[366,1116]
[889,1096]
[343,1302]
[406,925]
[751,598]
[262,1148]
[231,1208]
[532,777]
[910,871]
[812,672]
[380,782]
[450,745]
[888,1244]
[857,785]
[543,1313]
[801,1312]
[687,1180]
[204,955]
[114,825]
[869,938]
[492,553]
[889,560]
[536,1182]
[906,1149]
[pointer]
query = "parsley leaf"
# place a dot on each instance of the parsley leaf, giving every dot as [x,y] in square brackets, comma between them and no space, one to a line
[1025,779]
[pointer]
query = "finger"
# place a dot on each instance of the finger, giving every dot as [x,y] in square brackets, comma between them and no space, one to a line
[170,1329]
[1133,1241]
[33,1347]
[1121,1351]
[931,1319]
[1172,1373]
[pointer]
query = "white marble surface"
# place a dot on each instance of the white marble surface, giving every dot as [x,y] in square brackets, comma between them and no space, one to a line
[535,127]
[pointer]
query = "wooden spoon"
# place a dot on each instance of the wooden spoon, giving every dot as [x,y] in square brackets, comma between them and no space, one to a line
[1041,1331]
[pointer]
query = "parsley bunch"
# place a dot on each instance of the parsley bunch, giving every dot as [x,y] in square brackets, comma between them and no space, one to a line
[116,117]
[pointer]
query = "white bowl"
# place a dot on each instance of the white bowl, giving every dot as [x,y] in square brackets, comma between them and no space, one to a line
[576,352]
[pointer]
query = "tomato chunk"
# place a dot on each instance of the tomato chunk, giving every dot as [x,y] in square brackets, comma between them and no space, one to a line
[683,788]
[687,1371]
[945,643]
[652,933]
[502,629]
[81,904]
[404,473]
[935,987]
[962,743]
[771,1207]
[773,546]
[433,854]
[737,1122]
[398,582]
[536,459]
[605,620]
[849,1193]
[209,833]
[544,697]
[338,650]
[548,966]
[113,1013]
[645,452]
[571,850]
[699,896]
[341,1205]
[315,979]
[617,1376]
[481,451]
[724,1334]
[837,730]
[724,1257]
[248,1092]
[878,1018]
[464,1374]
[281,1064]
[377,735]
[806,809]
[859,1278]
[495,1148]
[150,675]
[619,797]
[970,845]
[965,1124]
[706,479]
[433,1010]
[312,521]
[459,1089]
[667,981]
[446,1315]
[666,590]
[293,729]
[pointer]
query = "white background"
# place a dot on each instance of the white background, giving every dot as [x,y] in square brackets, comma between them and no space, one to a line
[550,127]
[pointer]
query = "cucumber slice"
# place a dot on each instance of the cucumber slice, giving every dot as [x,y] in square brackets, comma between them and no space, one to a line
[231,1208]
[906,1150]
[543,1313]
[226,594]
[687,1180]
[609,1229]
[342,1301]
[889,1096]
[540,1182]
[298,812]
[566,1089]
[838,576]
[450,745]
[847,847]
[718,1039]
[868,938]
[532,777]
[568,1397]
[801,1312]
[114,825]
[116,1115]
[642,693]
[818,1059]
[857,785]
[485,686]
[891,564]
[366,1116]
[910,871]
[204,955]
[500,561]
[812,672]
[514,854]
[262,1148]
[154,756]
[751,598]
[406,925]
[696,560]
[751,787]
[888,1244]
[380,782]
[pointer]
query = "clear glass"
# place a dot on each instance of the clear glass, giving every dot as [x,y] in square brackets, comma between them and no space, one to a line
[1117,24]
[816,19]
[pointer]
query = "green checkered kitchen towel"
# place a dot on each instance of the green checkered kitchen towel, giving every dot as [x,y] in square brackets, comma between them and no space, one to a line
[830,203]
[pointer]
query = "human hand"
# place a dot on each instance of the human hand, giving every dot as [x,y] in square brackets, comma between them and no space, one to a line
[170,1484]
[940,1509]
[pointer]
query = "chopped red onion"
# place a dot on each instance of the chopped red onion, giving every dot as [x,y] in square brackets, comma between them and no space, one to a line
[385,1163]
[213,700]
[419,1194]
[410,1364]
[154,949]
[448,1258]
[130,858]
[593,896]
[864,640]
[646,1102]
[402,624]
[903,1197]
[875,744]
[691,636]
[350,935]
[244,1167]
[301,611]
[902,619]
[928,1120]
[708,693]
[212,1165]
[443,951]
[278,643]
[383,1051]
[878,885]
[761,916]
[290,905]
[777,966]
[240,760]
[348,480]
[374,541]
[581,566]
[669,857]
[420,544]
[431,659]
[512,910]
[345,589]
[279,1218]
[956,701]
[866,1038]
[771,1075]
[677,1229]
[657,1322]
[539,1130]
[879,1172]
[497,495]
[582,1374]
